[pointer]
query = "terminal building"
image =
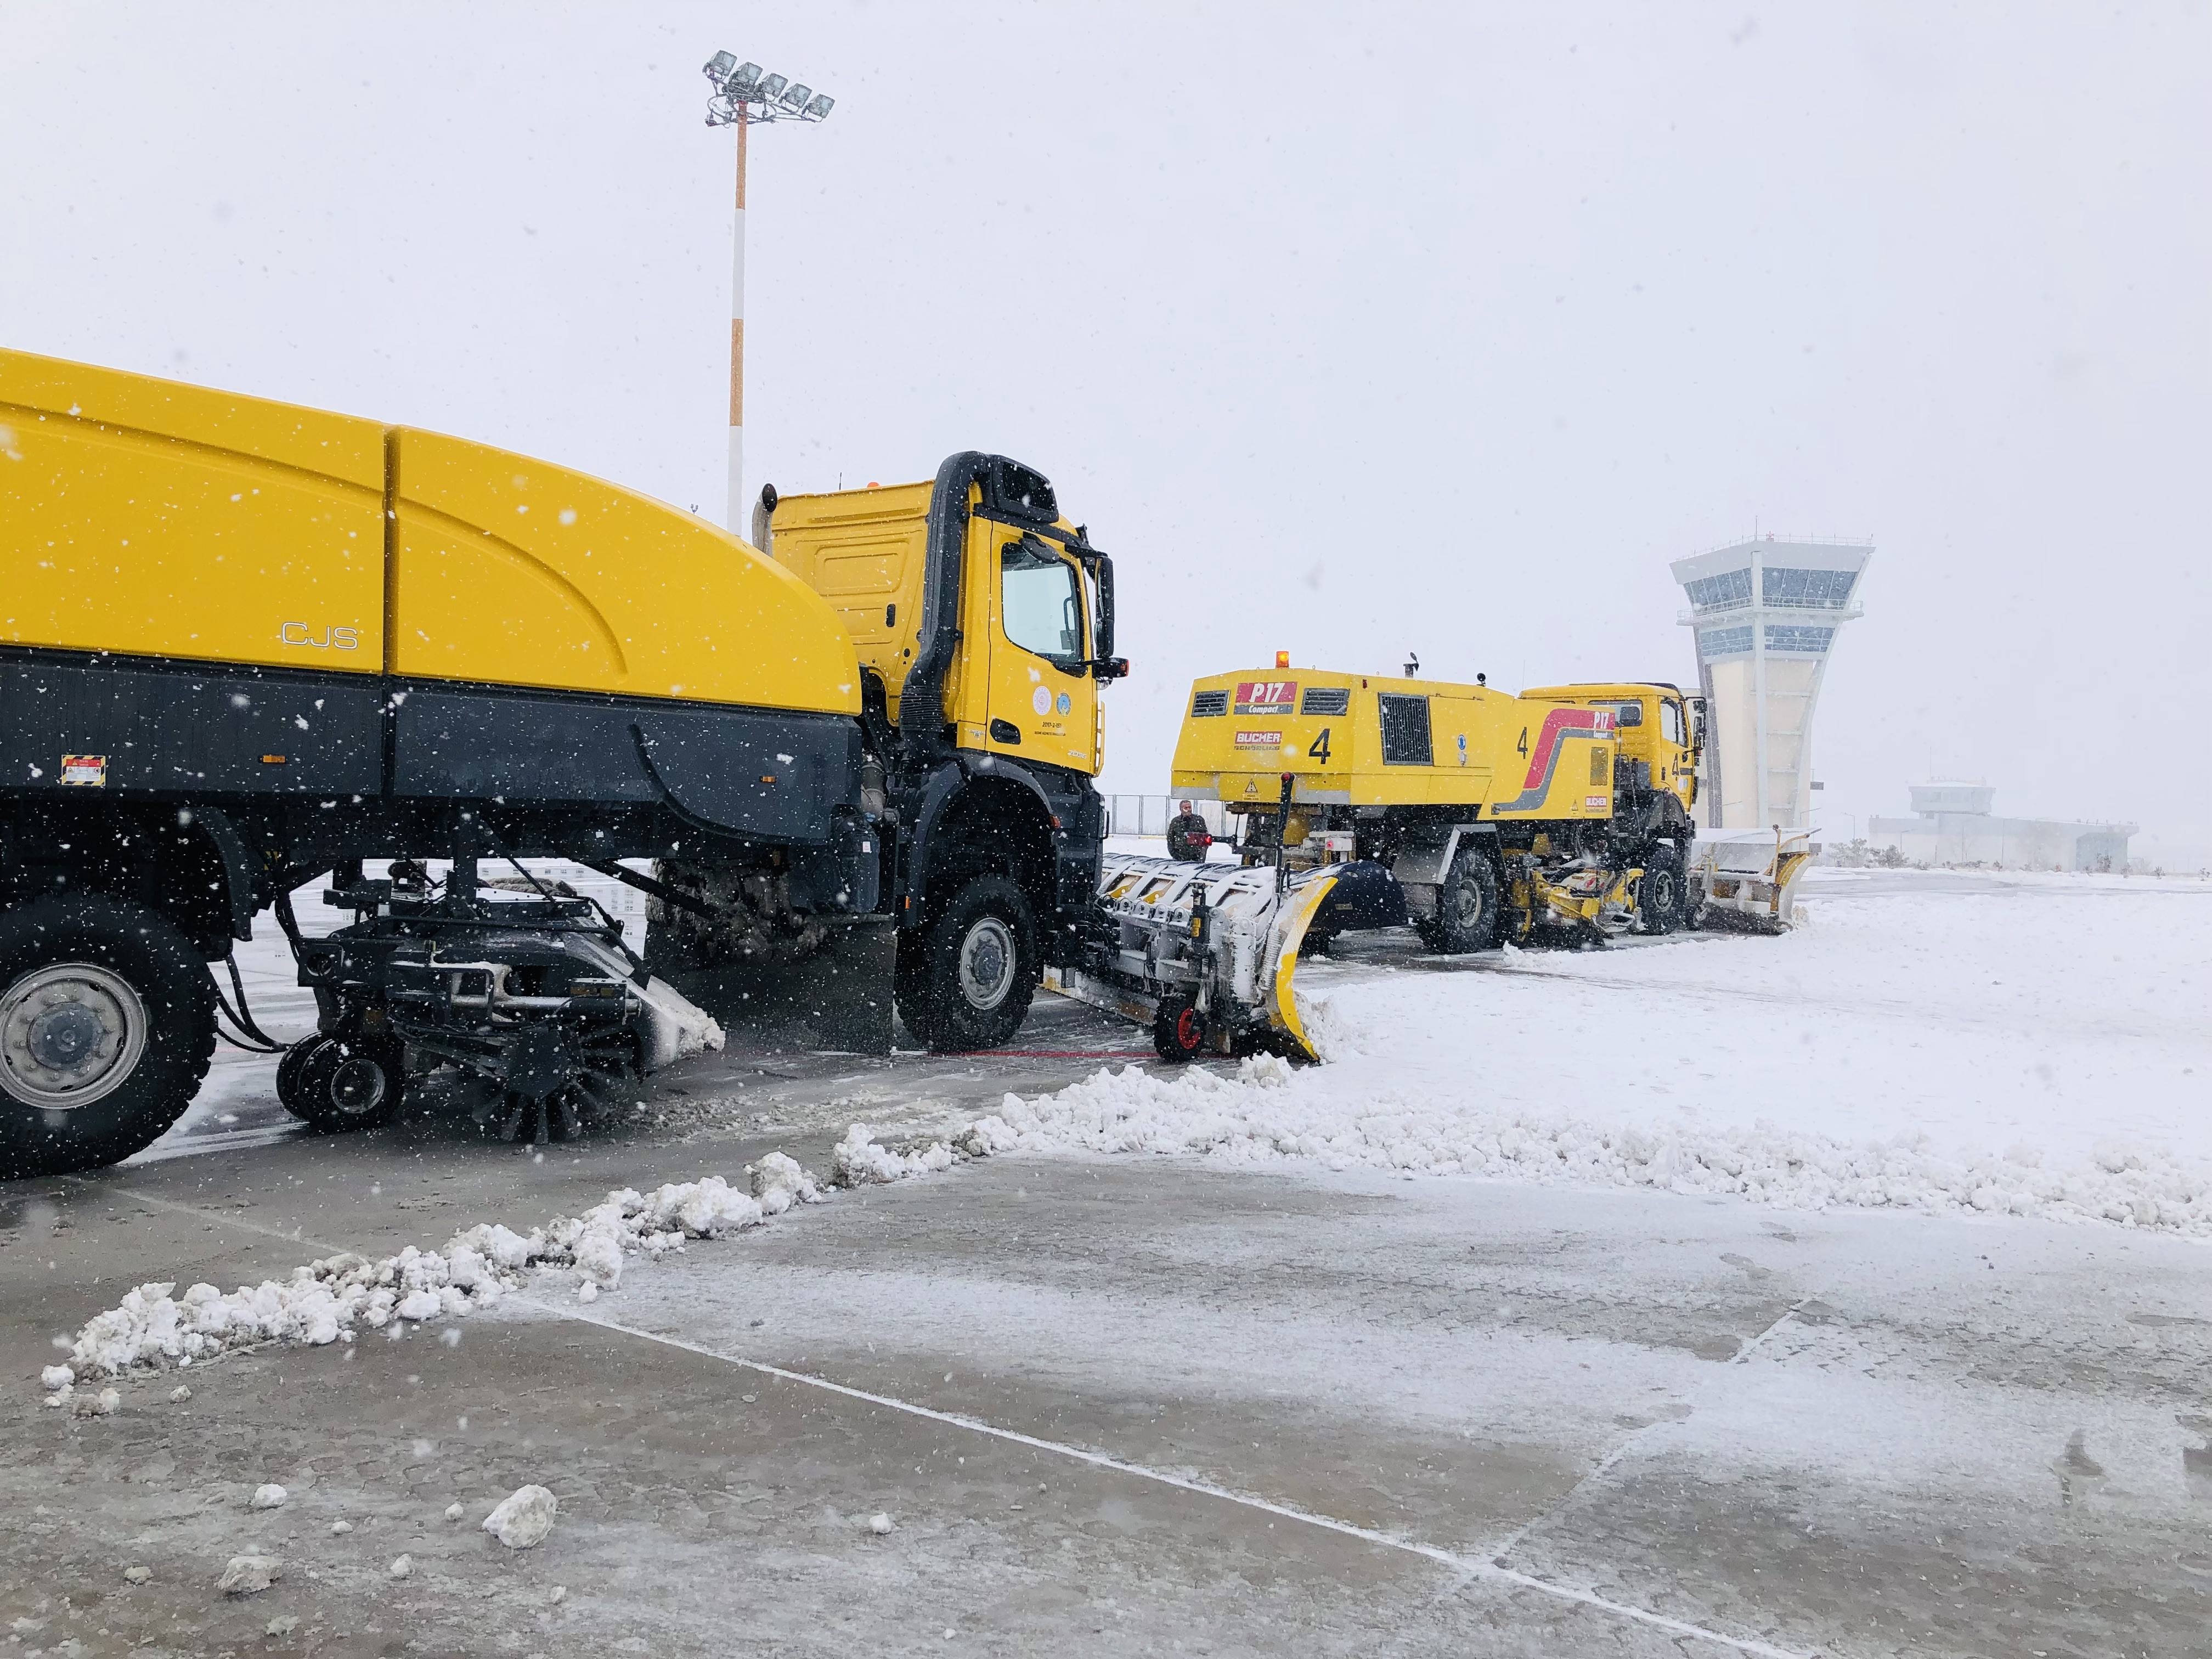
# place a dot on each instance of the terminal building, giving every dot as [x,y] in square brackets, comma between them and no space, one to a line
[1765,612]
[1951,824]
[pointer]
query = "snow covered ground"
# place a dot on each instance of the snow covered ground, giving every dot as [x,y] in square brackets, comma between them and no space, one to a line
[2031,1044]
[2018,1043]
[1268,1394]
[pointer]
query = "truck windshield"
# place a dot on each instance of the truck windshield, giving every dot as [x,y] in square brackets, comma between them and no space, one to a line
[1040,601]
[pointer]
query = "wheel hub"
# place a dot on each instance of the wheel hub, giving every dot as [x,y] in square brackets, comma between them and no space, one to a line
[987,963]
[63,1036]
[71,1033]
[1467,900]
[357,1086]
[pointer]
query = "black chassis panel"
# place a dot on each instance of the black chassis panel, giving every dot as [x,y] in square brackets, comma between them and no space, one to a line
[373,766]
[770,775]
[187,728]
[184,729]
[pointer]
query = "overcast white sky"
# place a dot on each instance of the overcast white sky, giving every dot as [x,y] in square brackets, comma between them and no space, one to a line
[1350,332]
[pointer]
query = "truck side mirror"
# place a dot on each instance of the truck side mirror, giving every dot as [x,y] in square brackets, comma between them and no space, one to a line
[1105,665]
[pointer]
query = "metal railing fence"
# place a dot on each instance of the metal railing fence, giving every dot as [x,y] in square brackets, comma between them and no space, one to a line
[1148,815]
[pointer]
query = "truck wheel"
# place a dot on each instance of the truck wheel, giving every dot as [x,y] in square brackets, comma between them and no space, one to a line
[1659,891]
[1468,910]
[106,1027]
[338,1083]
[1179,1030]
[976,969]
[287,1070]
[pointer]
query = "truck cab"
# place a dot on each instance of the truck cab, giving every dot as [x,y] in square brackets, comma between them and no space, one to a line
[1031,603]
[1660,731]
[982,620]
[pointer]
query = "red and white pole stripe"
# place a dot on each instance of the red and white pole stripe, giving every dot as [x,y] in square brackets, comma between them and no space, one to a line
[736,521]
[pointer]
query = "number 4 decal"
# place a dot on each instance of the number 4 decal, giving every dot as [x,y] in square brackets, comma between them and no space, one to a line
[1523,745]
[1319,750]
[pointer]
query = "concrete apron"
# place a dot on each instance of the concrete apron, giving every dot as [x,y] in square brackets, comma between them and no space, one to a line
[1120,1406]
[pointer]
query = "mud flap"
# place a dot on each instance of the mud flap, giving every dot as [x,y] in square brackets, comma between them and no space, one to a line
[838,997]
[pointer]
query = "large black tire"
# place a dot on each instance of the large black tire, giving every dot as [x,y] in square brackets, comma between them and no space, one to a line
[966,980]
[1662,890]
[287,1070]
[336,1083]
[106,1028]
[1468,913]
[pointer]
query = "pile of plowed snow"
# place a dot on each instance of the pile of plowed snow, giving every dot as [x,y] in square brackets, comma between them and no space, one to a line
[1267,1116]
[1955,1043]
[330,1300]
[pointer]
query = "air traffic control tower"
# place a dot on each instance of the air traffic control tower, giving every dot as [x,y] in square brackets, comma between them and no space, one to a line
[1765,612]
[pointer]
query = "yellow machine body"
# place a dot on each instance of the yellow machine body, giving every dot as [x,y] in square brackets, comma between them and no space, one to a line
[1495,815]
[1362,740]
[150,518]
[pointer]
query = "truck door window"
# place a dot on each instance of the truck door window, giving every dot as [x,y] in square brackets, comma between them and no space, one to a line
[1040,601]
[1670,724]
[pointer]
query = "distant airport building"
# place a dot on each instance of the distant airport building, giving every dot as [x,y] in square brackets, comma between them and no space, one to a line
[1765,612]
[1951,824]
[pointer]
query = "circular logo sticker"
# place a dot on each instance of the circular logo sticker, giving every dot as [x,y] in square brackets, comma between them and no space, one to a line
[1040,700]
[1067,703]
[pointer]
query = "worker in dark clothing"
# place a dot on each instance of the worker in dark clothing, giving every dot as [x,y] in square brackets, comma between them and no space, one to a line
[1187,837]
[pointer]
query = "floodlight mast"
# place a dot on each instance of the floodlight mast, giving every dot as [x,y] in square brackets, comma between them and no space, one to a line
[745,97]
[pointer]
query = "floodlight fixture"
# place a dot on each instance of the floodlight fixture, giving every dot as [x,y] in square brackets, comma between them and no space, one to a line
[745,97]
[744,93]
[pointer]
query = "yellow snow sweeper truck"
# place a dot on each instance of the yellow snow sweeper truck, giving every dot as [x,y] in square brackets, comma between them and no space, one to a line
[243,643]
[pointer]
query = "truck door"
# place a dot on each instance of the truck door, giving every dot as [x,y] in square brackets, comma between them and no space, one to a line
[1676,755]
[1043,703]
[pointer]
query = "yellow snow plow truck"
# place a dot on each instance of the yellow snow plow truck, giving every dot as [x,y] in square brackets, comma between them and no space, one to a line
[243,643]
[1371,801]
[1565,807]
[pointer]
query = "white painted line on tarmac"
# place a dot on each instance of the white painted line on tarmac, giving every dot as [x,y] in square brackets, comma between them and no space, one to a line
[1473,1566]
[1605,1465]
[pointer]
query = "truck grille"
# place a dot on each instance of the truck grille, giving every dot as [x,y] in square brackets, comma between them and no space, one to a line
[1209,702]
[1326,700]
